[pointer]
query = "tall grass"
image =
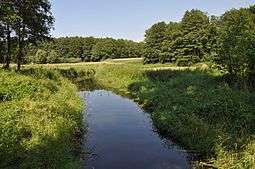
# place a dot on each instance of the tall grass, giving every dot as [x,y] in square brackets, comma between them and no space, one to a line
[203,113]
[40,117]
[199,109]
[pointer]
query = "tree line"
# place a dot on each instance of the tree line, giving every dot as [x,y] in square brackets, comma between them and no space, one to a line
[25,27]
[78,49]
[22,22]
[227,40]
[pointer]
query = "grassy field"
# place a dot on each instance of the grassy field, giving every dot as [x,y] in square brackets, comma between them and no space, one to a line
[40,116]
[195,106]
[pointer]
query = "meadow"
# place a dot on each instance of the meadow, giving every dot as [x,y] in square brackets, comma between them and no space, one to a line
[196,106]
[195,76]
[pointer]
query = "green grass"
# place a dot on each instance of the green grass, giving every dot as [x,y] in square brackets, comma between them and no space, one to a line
[197,108]
[40,116]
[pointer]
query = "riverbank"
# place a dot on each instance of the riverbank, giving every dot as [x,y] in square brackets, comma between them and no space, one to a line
[197,108]
[40,120]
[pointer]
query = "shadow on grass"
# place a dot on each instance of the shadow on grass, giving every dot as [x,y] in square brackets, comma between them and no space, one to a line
[83,79]
[197,109]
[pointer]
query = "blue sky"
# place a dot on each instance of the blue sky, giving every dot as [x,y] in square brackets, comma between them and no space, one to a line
[127,19]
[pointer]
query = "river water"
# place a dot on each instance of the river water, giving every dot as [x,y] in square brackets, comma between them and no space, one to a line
[120,135]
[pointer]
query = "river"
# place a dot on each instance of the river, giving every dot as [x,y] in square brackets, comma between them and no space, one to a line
[120,135]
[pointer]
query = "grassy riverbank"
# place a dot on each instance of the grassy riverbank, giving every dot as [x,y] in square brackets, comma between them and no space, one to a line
[39,121]
[199,109]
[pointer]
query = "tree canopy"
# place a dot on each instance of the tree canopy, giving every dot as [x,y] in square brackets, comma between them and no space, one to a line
[237,42]
[27,21]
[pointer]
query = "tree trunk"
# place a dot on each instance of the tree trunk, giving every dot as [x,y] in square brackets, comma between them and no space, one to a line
[20,50]
[19,57]
[8,44]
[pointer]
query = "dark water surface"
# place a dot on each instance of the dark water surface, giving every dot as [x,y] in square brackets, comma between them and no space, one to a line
[121,136]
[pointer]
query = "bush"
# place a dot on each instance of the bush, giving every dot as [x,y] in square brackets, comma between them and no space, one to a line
[53,57]
[40,57]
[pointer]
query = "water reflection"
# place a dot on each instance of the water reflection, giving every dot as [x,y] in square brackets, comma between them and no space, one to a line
[120,135]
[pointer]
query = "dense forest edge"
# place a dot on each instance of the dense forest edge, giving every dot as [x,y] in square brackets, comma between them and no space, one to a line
[206,106]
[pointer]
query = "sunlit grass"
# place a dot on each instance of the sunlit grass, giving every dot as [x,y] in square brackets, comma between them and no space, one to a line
[40,113]
[194,105]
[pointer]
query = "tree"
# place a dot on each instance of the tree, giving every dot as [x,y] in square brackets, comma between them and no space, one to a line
[8,18]
[211,40]
[34,23]
[193,41]
[81,49]
[151,55]
[155,36]
[170,44]
[88,44]
[237,42]
[2,40]
[194,20]
[185,43]
[104,49]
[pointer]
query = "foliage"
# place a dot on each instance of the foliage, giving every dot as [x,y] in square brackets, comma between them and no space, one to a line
[227,41]
[237,43]
[43,56]
[88,49]
[151,55]
[184,43]
[203,113]
[28,21]
[103,49]
[155,36]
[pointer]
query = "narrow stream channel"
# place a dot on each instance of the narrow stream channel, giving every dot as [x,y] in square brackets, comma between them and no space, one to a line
[120,135]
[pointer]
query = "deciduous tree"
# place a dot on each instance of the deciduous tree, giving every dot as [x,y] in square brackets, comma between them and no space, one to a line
[237,42]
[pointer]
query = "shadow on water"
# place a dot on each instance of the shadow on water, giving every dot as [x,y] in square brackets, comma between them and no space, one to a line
[121,135]
[84,80]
